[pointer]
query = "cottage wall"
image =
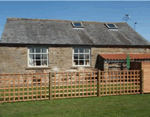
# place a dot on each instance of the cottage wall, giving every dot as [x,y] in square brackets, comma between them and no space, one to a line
[14,59]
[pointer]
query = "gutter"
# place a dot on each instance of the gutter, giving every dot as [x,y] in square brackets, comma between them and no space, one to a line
[70,45]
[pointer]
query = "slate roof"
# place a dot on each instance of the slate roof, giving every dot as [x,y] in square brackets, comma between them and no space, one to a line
[40,31]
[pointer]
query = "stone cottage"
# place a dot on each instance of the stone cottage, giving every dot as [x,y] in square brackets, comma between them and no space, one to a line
[42,45]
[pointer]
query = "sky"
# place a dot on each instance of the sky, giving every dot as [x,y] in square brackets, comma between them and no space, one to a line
[100,11]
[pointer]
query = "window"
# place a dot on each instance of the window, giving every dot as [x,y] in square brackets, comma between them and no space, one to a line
[81,57]
[77,24]
[111,26]
[37,57]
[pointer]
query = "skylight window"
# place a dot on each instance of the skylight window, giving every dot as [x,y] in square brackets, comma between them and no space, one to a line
[111,26]
[77,24]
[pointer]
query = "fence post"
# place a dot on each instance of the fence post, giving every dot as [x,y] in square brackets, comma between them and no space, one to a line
[50,86]
[142,82]
[98,84]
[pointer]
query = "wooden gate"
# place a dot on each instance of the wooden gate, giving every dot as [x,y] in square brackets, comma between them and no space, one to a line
[146,76]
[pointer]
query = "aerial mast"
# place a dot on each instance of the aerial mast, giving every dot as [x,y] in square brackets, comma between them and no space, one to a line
[128,17]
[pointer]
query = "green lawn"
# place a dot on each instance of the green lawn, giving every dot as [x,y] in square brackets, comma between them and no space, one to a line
[109,106]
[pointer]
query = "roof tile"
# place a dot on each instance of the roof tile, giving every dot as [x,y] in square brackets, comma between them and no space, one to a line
[124,56]
[48,31]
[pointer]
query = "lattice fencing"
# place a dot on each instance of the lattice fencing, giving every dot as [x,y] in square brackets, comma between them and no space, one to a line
[119,82]
[74,84]
[24,87]
[37,86]
[54,85]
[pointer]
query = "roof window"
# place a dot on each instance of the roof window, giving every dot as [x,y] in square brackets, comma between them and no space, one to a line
[77,24]
[111,26]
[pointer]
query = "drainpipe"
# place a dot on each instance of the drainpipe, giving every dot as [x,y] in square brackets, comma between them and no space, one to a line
[128,61]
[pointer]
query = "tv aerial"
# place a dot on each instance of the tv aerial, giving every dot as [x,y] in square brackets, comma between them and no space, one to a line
[127,17]
[135,24]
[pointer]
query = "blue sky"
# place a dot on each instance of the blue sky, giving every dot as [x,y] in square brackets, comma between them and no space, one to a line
[113,11]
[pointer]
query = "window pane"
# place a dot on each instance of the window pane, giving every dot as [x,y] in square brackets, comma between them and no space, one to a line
[87,51]
[31,63]
[77,24]
[38,63]
[81,56]
[44,62]
[36,59]
[37,56]
[75,50]
[81,50]
[87,62]
[31,56]
[86,56]
[43,50]
[75,62]
[44,56]
[38,50]
[75,56]
[111,25]
[31,50]
[34,63]
[81,62]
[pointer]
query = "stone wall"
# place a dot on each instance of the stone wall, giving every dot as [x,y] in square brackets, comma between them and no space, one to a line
[60,57]
[14,59]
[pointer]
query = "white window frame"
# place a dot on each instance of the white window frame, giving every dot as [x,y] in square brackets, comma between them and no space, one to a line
[28,53]
[84,56]
[107,24]
[77,26]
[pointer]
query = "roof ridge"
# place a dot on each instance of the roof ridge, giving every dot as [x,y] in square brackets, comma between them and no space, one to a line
[57,20]
[29,19]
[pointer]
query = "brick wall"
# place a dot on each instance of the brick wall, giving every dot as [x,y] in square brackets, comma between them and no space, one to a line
[14,59]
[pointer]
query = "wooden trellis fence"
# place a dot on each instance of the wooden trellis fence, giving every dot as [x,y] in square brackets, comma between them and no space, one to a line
[119,82]
[23,87]
[53,85]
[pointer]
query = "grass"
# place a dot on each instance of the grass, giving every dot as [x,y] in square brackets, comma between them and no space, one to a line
[109,106]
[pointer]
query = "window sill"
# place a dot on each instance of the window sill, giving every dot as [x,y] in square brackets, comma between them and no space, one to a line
[75,67]
[36,68]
